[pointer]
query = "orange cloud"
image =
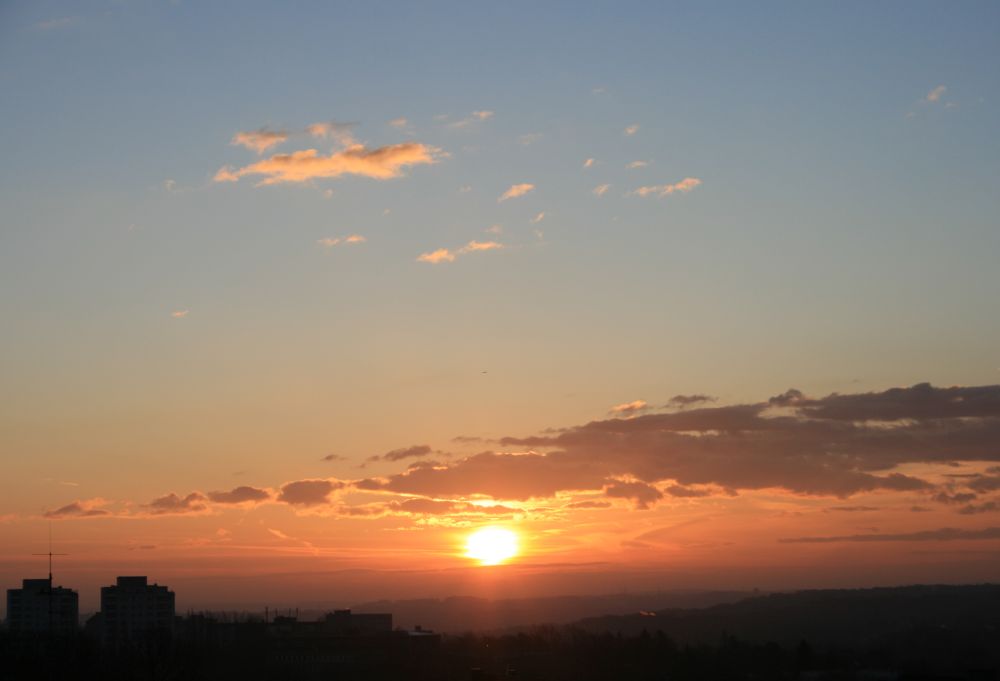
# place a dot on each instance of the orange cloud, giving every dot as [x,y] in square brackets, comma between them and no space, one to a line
[381,163]
[259,140]
[515,191]
[446,255]
[661,190]
[632,129]
[341,132]
[601,189]
[331,241]
[630,408]
[438,256]
[589,163]
[85,508]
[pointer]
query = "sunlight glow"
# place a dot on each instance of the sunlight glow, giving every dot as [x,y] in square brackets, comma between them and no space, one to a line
[491,545]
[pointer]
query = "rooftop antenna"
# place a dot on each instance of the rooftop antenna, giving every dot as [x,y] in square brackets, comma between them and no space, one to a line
[49,590]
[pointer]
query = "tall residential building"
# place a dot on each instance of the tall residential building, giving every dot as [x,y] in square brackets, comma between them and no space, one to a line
[133,610]
[38,607]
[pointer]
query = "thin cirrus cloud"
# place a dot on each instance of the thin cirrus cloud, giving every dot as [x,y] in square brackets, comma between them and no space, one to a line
[631,130]
[474,117]
[515,191]
[629,408]
[936,94]
[259,140]
[661,190]
[85,508]
[340,132]
[941,534]
[637,164]
[381,163]
[413,452]
[331,241]
[589,163]
[443,255]
[180,314]
[601,189]
[538,218]
[838,446]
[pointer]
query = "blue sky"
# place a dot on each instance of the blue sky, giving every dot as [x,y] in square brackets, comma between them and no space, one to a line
[843,236]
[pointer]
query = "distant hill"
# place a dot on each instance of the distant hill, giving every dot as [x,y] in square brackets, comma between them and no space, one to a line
[462,614]
[831,618]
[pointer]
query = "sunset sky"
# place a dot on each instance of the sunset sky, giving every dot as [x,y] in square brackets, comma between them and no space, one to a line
[297,296]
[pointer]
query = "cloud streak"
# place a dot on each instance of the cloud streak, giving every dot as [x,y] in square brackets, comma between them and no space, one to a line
[259,140]
[662,190]
[443,255]
[942,534]
[381,163]
[515,191]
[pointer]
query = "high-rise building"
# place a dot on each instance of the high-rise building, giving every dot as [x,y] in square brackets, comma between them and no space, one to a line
[38,607]
[133,610]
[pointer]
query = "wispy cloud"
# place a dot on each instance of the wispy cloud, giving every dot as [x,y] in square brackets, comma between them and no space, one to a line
[936,94]
[381,163]
[442,255]
[631,130]
[474,117]
[530,138]
[438,256]
[180,314]
[538,218]
[60,22]
[399,123]
[942,534]
[85,508]
[661,190]
[589,163]
[515,191]
[474,246]
[259,140]
[637,164]
[331,241]
[629,408]
[341,132]
[601,189]
[494,229]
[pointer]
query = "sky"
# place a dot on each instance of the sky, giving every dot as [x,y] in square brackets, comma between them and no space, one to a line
[296,297]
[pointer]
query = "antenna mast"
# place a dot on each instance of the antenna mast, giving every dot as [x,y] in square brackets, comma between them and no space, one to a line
[49,590]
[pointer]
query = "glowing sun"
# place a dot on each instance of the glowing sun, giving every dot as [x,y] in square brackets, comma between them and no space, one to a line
[491,545]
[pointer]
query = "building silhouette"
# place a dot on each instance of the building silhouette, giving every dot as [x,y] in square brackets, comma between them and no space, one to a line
[38,607]
[133,611]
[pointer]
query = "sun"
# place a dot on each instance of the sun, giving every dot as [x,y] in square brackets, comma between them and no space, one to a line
[491,545]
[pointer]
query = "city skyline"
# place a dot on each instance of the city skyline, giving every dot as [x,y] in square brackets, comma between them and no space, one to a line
[298,300]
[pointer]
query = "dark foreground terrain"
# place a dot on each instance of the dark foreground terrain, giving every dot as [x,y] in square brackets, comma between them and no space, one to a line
[915,633]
